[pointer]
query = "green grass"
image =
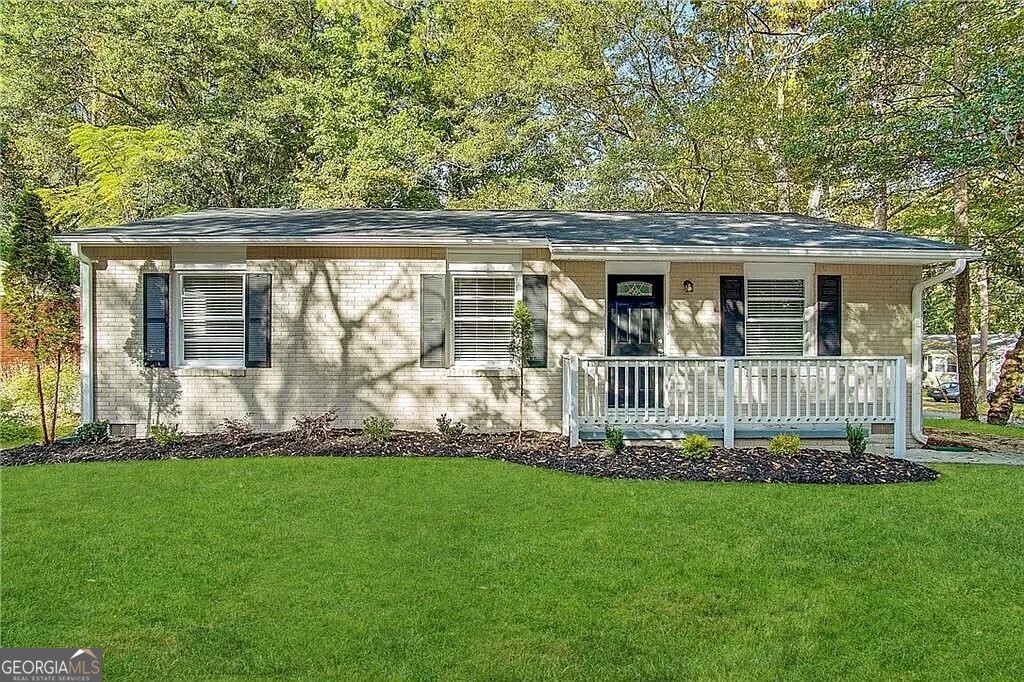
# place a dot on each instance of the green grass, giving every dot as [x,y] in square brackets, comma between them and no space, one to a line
[980,428]
[471,569]
[65,427]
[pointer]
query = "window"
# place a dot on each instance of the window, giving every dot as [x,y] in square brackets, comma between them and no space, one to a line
[775,316]
[212,320]
[482,318]
[634,288]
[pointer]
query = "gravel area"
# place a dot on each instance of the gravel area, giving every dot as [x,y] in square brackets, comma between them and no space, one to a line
[543,450]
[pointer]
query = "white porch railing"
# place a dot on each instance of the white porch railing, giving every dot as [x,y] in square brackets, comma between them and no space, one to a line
[711,393]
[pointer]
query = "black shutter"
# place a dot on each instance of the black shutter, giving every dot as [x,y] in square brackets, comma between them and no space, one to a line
[433,321]
[830,315]
[535,296]
[733,316]
[257,319]
[155,287]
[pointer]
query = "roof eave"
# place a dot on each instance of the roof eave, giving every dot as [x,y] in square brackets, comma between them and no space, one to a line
[760,254]
[331,240]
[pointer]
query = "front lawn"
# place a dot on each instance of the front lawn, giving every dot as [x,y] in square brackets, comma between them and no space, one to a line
[309,568]
[978,428]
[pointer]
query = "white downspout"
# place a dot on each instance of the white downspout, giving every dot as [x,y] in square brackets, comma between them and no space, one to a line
[86,308]
[916,422]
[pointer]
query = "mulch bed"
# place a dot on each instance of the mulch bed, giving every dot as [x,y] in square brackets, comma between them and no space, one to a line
[548,451]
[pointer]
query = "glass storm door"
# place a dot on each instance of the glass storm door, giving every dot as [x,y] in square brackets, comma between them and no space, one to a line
[635,330]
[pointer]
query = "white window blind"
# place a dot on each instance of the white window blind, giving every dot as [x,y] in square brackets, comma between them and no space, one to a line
[775,316]
[212,319]
[482,318]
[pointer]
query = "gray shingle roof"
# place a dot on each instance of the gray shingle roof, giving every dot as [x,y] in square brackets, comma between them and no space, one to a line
[557,228]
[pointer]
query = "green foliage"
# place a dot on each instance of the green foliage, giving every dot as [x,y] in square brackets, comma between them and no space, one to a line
[93,432]
[16,428]
[695,445]
[614,440]
[784,444]
[378,429]
[857,438]
[521,346]
[166,434]
[451,431]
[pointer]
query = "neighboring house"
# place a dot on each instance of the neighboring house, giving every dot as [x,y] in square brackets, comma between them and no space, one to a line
[737,325]
[940,364]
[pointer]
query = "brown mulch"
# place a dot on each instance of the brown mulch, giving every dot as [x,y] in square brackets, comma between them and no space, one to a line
[548,451]
[983,442]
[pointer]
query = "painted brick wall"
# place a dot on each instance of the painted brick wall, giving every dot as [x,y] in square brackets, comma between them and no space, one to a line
[346,336]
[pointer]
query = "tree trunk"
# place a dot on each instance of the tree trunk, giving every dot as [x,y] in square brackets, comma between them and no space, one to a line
[881,214]
[56,398]
[1011,376]
[42,402]
[962,310]
[981,270]
[814,200]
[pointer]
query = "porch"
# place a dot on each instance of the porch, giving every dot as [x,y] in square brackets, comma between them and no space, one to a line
[732,397]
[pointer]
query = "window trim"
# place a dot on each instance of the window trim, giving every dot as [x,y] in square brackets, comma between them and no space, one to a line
[178,288]
[784,271]
[467,274]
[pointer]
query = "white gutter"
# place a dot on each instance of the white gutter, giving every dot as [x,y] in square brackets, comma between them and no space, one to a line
[756,253]
[326,240]
[916,421]
[86,325]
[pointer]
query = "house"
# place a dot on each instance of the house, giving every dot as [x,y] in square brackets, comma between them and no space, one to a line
[736,325]
[940,363]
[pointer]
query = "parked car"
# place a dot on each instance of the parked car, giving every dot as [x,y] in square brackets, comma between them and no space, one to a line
[1018,395]
[948,392]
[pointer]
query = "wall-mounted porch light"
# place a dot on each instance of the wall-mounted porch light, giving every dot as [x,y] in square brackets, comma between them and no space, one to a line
[688,286]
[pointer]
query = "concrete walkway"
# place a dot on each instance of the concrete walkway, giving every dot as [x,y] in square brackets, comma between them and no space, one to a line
[940,456]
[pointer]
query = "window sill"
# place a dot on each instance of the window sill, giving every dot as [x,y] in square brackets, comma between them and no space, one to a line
[456,371]
[210,371]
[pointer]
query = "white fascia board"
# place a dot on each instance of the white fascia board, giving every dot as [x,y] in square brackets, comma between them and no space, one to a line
[766,254]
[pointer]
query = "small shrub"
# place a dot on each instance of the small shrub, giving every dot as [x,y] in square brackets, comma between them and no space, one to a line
[93,432]
[15,427]
[450,431]
[857,439]
[318,427]
[614,440]
[378,429]
[236,431]
[166,434]
[695,445]
[784,444]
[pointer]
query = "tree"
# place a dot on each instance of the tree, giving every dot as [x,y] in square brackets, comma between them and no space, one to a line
[1011,378]
[40,300]
[520,348]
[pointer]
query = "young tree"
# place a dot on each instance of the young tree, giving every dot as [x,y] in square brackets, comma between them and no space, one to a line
[40,300]
[521,350]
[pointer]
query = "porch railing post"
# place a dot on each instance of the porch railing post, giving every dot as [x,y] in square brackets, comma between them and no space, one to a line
[899,429]
[729,426]
[570,398]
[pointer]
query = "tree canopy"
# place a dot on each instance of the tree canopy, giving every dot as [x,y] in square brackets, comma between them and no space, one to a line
[866,112]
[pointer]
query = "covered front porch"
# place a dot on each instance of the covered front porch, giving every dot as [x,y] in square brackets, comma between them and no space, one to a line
[733,397]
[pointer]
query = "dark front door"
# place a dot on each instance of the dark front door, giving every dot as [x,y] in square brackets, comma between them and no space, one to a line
[635,329]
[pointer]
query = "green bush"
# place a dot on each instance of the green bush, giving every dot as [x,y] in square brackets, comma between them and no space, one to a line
[15,427]
[18,389]
[166,434]
[614,440]
[695,445]
[93,432]
[450,431]
[378,429]
[857,438]
[784,444]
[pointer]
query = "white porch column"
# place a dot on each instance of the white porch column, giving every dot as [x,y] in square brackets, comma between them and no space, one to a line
[570,398]
[899,435]
[729,427]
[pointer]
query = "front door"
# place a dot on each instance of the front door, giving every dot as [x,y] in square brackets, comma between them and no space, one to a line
[635,329]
